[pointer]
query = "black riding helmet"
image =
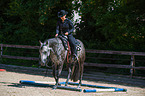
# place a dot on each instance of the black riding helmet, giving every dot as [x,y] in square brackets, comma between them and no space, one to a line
[62,13]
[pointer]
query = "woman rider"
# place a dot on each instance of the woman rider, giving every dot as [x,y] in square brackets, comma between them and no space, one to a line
[65,28]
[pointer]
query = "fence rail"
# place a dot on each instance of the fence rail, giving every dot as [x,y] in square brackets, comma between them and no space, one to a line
[130,66]
[116,52]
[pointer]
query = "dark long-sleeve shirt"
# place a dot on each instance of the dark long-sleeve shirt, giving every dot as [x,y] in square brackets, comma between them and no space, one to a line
[63,27]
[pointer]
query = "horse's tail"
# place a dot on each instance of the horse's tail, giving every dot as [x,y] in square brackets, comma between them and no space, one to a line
[75,72]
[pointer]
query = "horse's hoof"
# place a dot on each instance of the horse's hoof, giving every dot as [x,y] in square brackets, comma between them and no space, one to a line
[59,84]
[78,87]
[54,87]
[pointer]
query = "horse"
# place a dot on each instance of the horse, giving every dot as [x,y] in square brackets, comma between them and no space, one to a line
[53,50]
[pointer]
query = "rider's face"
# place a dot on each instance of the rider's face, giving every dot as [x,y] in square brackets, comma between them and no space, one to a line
[63,17]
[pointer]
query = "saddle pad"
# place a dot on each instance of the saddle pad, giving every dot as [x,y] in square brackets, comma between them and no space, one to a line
[64,42]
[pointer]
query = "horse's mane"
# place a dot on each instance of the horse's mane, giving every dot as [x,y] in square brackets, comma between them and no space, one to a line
[53,41]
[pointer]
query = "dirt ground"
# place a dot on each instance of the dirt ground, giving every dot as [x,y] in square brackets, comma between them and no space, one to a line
[10,86]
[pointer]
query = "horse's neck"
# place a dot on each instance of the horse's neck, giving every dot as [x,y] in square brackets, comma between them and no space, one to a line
[56,45]
[54,42]
[59,51]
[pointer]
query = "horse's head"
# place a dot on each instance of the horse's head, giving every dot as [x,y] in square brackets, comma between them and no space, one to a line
[44,53]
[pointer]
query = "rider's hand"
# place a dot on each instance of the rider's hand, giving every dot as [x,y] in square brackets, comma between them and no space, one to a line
[66,33]
[56,35]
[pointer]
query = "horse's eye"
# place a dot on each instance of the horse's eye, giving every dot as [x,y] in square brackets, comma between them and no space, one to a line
[44,52]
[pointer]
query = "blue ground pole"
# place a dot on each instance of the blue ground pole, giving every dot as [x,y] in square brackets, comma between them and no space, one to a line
[104,88]
[51,84]
[37,83]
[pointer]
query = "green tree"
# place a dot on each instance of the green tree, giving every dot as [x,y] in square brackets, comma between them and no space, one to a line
[113,24]
[28,21]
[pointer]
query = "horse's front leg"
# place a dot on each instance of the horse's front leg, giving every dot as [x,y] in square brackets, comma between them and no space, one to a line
[60,66]
[69,72]
[54,67]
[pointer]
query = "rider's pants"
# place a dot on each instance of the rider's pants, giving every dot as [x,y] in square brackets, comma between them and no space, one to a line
[71,40]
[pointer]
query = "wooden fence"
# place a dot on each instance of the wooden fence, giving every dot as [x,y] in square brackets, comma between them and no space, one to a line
[130,66]
[18,46]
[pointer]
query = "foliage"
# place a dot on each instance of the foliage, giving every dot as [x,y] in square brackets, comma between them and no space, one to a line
[109,24]
[28,21]
[113,24]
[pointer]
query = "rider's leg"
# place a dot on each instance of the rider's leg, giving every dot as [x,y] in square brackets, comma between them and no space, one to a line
[73,46]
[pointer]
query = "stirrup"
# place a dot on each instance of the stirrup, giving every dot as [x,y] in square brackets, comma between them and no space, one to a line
[75,57]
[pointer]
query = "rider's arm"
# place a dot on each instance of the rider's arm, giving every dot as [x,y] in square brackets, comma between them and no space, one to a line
[71,27]
[57,28]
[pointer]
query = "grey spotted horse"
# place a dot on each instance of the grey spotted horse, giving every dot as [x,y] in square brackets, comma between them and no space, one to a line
[54,50]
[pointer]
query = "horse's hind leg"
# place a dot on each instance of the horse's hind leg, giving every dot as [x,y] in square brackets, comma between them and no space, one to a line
[69,72]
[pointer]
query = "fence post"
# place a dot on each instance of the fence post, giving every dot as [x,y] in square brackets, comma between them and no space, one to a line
[1,50]
[132,64]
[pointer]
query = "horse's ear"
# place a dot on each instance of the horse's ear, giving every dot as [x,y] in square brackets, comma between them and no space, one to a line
[40,43]
[47,42]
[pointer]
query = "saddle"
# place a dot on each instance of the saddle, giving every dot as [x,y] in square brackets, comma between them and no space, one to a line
[67,47]
[66,43]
